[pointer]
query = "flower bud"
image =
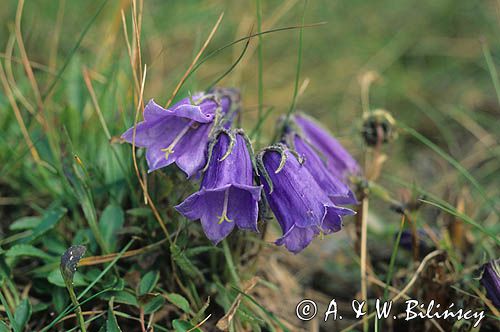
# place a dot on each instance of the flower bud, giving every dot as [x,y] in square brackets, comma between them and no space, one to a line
[378,127]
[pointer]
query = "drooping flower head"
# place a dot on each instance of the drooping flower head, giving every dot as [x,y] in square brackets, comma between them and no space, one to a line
[333,186]
[180,133]
[491,281]
[338,160]
[227,196]
[301,207]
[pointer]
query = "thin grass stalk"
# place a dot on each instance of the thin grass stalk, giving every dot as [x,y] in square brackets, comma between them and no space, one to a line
[195,60]
[393,258]
[260,61]
[292,108]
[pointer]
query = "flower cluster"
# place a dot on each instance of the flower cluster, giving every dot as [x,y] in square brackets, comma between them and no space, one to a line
[303,178]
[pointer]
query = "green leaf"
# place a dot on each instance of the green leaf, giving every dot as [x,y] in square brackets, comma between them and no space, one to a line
[111,322]
[4,269]
[59,298]
[49,220]
[22,314]
[27,250]
[4,327]
[140,212]
[184,326]
[148,282]
[191,252]
[125,298]
[55,277]
[110,223]
[25,223]
[184,263]
[153,305]
[179,301]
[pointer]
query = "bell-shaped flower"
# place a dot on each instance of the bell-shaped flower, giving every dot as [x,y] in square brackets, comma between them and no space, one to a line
[179,134]
[491,281]
[338,160]
[301,207]
[227,196]
[333,186]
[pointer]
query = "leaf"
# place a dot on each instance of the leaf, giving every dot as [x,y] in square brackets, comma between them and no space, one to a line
[140,212]
[202,249]
[125,298]
[184,263]
[55,277]
[49,220]
[19,250]
[59,298]
[4,327]
[111,322]
[25,223]
[153,305]
[179,301]
[110,223]
[198,317]
[22,314]
[184,326]
[4,269]
[148,282]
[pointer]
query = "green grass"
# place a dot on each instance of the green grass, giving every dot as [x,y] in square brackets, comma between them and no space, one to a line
[438,62]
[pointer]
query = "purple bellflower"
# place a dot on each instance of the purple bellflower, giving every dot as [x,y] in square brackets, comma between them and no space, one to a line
[179,134]
[301,207]
[332,185]
[338,160]
[491,281]
[227,196]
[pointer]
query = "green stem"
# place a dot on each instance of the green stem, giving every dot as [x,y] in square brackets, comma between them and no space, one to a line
[393,258]
[78,309]
[89,287]
[260,65]
[9,313]
[299,64]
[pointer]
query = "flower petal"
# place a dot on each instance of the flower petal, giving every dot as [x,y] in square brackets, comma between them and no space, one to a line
[207,205]
[332,220]
[202,113]
[243,206]
[338,159]
[335,188]
[297,238]
[296,197]
[190,153]
[236,168]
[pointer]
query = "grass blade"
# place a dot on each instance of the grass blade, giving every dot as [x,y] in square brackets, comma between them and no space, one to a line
[73,51]
[454,163]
